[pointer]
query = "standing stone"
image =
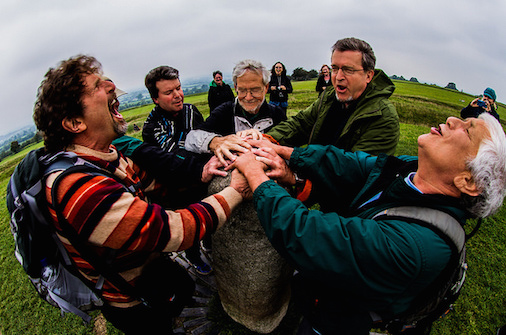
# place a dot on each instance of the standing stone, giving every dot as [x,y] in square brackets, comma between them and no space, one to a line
[253,281]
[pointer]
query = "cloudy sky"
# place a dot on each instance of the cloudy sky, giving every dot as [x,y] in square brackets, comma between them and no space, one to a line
[436,41]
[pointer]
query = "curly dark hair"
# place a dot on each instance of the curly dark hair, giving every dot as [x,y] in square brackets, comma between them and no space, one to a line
[60,96]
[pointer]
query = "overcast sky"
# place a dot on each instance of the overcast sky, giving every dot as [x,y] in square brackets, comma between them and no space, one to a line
[436,41]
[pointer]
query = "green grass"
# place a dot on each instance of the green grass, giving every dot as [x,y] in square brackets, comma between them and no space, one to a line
[480,309]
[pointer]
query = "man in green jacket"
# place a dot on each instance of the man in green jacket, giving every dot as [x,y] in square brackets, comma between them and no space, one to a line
[353,264]
[354,113]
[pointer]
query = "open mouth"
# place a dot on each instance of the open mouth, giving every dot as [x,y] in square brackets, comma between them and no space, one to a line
[437,130]
[341,88]
[114,108]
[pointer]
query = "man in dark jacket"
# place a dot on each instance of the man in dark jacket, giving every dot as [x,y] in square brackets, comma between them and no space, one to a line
[219,92]
[167,126]
[223,130]
[355,114]
[359,264]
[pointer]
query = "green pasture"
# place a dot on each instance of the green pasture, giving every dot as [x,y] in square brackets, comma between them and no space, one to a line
[481,308]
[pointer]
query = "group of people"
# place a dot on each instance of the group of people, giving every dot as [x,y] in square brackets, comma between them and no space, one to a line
[337,152]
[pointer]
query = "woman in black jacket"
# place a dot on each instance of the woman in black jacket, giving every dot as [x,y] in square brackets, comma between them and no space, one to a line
[279,86]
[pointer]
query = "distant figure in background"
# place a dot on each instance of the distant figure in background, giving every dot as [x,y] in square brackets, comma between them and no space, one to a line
[279,86]
[219,92]
[323,79]
[482,104]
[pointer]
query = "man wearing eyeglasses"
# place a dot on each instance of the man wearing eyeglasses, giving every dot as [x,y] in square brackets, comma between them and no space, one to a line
[354,113]
[226,128]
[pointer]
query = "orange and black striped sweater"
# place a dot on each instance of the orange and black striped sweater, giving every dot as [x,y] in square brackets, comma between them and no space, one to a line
[108,216]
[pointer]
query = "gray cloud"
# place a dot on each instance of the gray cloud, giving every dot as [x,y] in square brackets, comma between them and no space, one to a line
[435,41]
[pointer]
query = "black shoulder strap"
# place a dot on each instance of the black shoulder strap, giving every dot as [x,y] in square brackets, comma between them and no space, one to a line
[81,246]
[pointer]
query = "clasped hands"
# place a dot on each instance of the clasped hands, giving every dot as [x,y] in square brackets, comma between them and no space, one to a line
[264,161]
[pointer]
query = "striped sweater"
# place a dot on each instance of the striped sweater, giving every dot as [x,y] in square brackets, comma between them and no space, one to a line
[106,215]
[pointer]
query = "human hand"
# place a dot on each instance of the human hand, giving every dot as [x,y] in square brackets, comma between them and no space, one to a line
[211,169]
[240,184]
[251,168]
[250,134]
[222,147]
[282,87]
[284,152]
[276,166]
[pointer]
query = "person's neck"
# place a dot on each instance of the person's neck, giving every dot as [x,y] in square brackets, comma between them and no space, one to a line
[432,183]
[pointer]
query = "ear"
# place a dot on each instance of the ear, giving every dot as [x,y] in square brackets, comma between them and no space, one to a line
[465,183]
[73,125]
[369,75]
[155,100]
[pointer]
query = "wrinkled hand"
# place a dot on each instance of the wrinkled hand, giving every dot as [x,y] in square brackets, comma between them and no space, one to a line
[250,134]
[284,152]
[211,169]
[240,184]
[277,167]
[222,147]
[251,168]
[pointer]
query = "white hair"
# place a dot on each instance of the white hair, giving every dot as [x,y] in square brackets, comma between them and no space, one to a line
[488,169]
[252,65]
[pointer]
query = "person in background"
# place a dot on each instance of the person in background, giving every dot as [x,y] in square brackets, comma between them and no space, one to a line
[219,92]
[223,132]
[167,126]
[482,104]
[76,110]
[354,262]
[355,113]
[279,86]
[323,79]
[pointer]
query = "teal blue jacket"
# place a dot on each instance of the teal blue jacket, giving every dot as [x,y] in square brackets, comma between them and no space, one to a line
[369,265]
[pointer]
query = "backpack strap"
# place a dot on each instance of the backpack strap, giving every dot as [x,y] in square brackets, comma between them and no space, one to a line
[452,232]
[432,218]
[98,263]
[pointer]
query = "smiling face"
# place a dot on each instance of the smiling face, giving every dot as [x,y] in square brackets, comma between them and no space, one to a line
[218,79]
[349,87]
[448,147]
[170,95]
[251,91]
[100,110]
[278,69]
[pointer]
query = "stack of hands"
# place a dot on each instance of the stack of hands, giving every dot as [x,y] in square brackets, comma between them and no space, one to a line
[252,160]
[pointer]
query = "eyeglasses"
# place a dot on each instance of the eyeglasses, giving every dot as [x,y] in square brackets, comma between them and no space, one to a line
[256,91]
[347,71]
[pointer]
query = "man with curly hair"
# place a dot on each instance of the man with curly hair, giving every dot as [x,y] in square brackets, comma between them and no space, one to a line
[77,111]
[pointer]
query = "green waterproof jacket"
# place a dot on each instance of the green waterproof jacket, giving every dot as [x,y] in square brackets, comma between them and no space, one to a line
[359,263]
[373,127]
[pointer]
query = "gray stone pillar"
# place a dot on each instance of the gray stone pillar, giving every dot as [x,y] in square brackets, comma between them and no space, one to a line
[253,280]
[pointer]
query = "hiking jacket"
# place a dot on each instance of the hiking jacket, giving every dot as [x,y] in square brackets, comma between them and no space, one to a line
[169,132]
[359,264]
[373,126]
[218,95]
[279,95]
[229,118]
[105,214]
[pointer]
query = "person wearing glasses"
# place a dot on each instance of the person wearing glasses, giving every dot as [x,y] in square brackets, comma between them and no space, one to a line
[354,113]
[225,130]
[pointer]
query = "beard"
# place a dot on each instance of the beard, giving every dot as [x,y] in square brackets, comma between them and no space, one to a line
[120,128]
[252,110]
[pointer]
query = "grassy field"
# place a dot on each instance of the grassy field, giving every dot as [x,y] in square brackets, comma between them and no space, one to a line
[480,309]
